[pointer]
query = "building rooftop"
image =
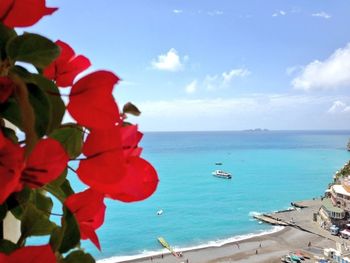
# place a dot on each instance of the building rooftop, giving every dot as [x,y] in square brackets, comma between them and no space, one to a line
[339,189]
[327,203]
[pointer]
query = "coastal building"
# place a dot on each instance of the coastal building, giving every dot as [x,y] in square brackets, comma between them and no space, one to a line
[335,209]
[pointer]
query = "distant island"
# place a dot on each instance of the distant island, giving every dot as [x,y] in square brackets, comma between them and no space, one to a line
[256,130]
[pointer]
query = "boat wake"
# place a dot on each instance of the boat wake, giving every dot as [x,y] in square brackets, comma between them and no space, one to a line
[217,243]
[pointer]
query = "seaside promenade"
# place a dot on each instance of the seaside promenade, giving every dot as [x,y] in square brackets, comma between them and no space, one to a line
[301,217]
[300,232]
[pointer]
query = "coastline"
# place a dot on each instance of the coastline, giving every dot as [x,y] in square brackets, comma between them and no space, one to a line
[144,257]
[273,246]
[296,233]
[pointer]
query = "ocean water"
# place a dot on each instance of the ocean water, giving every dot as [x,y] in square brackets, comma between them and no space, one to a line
[270,169]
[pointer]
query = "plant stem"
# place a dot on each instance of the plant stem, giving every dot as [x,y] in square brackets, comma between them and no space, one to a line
[26,111]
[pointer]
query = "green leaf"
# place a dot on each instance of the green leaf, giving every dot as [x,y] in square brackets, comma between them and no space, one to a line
[32,48]
[71,138]
[3,211]
[131,109]
[35,222]
[42,109]
[57,108]
[60,190]
[67,189]
[7,246]
[5,35]
[41,106]
[79,256]
[67,236]
[42,202]
[16,203]
[10,134]
[10,111]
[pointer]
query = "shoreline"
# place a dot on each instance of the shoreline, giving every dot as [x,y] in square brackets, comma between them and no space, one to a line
[258,249]
[295,230]
[208,245]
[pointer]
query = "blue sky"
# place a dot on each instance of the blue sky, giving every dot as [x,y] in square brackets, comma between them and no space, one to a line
[217,65]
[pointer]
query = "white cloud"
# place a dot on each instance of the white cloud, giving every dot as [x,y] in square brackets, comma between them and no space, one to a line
[273,111]
[214,82]
[322,14]
[279,13]
[228,76]
[292,70]
[192,87]
[177,11]
[170,61]
[331,73]
[215,13]
[339,107]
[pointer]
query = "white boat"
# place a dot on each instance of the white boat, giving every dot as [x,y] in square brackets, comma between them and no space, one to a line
[160,212]
[222,174]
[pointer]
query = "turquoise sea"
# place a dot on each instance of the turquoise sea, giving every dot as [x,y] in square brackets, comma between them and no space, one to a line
[270,170]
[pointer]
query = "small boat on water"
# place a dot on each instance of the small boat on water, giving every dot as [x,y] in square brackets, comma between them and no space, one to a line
[222,174]
[218,163]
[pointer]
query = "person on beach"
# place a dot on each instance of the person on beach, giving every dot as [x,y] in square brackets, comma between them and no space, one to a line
[260,245]
[256,251]
[237,244]
[309,244]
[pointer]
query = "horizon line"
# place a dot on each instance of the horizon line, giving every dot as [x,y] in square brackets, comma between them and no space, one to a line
[256,130]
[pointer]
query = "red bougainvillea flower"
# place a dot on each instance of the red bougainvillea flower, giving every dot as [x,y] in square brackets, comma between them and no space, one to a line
[23,13]
[91,102]
[89,210]
[45,163]
[11,165]
[67,66]
[130,138]
[6,88]
[113,167]
[30,254]
[138,183]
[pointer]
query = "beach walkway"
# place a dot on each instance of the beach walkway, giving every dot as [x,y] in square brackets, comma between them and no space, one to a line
[301,218]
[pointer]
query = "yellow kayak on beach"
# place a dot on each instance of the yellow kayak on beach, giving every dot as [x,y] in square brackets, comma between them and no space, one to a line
[167,246]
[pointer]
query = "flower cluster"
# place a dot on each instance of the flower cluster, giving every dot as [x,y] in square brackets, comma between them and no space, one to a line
[34,170]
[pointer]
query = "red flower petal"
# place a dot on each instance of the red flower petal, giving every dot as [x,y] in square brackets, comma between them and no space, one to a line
[139,183]
[6,88]
[100,141]
[91,102]
[85,204]
[47,161]
[89,210]
[103,171]
[5,7]
[30,254]
[23,13]
[106,152]
[88,232]
[131,137]
[67,66]
[104,165]
[11,165]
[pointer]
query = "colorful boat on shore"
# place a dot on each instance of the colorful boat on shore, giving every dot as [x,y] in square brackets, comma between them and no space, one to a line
[165,244]
[222,174]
